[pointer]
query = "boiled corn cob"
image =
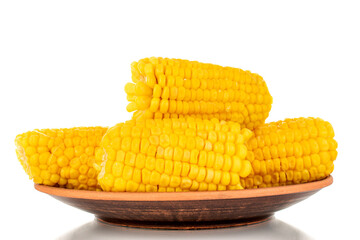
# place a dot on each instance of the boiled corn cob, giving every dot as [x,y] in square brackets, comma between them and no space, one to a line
[171,88]
[292,151]
[173,155]
[61,157]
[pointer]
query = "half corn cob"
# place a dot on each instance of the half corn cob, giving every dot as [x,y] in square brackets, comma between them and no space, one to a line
[173,155]
[292,151]
[171,88]
[62,157]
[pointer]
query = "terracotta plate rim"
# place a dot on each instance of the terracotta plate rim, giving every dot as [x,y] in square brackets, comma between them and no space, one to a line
[185,196]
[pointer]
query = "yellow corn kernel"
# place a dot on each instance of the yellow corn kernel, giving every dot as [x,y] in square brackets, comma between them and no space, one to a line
[131,186]
[120,184]
[164,180]
[185,169]
[127,172]
[217,176]
[227,163]
[201,175]
[225,178]
[137,175]
[160,165]
[177,168]
[219,161]
[175,181]
[186,183]
[194,170]
[155,178]
[169,166]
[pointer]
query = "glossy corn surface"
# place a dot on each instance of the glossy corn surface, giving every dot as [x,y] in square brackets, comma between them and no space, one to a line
[290,152]
[173,155]
[61,157]
[172,88]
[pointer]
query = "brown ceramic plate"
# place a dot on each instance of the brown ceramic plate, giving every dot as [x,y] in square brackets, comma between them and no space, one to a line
[186,210]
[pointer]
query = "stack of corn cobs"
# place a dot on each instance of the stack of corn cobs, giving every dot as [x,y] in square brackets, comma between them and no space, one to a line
[195,127]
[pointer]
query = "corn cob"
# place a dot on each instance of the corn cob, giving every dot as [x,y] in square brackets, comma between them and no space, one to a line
[61,157]
[291,151]
[173,155]
[172,88]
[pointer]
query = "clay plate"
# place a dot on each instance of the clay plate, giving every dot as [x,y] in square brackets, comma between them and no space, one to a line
[186,210]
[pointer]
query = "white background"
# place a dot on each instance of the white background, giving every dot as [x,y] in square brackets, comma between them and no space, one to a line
[65,63]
